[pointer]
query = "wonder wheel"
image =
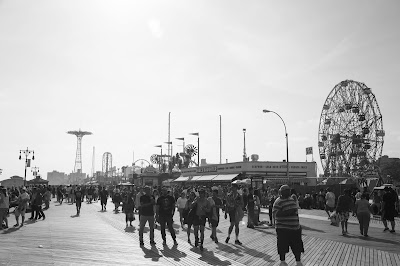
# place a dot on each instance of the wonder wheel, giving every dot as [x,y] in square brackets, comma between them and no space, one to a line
[350,137]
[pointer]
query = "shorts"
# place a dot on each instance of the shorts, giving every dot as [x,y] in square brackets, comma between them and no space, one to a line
[329,209]
[214,223]
[343,216]
[18,212]
[129,216]
[289,238]
[199,220]
[232,216]
[389,215]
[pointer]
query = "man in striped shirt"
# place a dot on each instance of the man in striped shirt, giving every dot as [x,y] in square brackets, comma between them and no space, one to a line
[288,229]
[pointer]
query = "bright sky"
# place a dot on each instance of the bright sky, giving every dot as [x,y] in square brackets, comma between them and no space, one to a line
[117,68]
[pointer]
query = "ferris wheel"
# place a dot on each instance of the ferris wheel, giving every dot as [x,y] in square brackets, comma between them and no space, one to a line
[350,137]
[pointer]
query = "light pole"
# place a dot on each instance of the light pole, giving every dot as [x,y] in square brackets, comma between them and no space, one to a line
[26,152]
[244,146]
[198,146]
[287,144]
[220,139]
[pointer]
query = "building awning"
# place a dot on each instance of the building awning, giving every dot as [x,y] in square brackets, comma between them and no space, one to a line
[181,179]
[195,178]
[227,177]
[207,177]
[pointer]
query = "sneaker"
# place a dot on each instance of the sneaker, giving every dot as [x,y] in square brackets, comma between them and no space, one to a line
[190,242]
[22,224]
[152,243]
[211,236]
[216,240]
[366,235]
[386,229]
[227,239]
[16,225]
[238,242]
[392,231]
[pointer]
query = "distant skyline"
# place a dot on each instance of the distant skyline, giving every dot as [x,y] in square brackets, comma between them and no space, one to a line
[117,68]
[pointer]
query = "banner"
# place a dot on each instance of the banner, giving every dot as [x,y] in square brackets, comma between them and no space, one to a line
[28,163]
[309,150]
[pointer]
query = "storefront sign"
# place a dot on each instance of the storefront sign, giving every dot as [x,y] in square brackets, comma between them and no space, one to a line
[207,169]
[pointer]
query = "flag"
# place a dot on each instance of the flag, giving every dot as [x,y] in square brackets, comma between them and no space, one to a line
[309,150]
[180,138]
[196,134]
[158,146]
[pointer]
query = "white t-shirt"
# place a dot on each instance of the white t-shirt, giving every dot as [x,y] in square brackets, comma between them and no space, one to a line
[181,202]
[330,199]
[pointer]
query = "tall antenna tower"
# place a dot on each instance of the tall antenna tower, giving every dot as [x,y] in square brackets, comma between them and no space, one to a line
[78,159]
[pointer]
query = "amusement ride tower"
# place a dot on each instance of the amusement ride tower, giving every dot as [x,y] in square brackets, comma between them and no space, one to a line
[78,160]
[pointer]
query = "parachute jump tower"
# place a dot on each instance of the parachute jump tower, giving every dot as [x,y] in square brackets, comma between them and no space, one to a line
[78,160]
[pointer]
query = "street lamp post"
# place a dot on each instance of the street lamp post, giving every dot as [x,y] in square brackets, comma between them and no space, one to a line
[26,152]
[244,146]
[287,144]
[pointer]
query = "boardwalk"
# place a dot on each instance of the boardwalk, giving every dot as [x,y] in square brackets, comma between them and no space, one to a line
[101,238]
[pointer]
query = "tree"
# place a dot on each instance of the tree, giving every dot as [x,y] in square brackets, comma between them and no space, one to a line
[392,170]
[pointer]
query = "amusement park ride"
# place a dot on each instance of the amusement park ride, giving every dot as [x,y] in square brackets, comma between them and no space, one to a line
[350,137]
[179,161]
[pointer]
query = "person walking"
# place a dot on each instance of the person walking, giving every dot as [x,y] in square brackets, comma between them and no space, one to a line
[188,218]
[388,209]
[128,207]
[47,198]
[117,198]
[78,200]
[103,198]
[363,211]
[343,208]
[203,206]
[250,208]
[180,204]
[216,204]
[4,207]
[147,203]
[234,207]
[38,202]
[330,202]
[273,197]
[23,200]
[288,229]
[164,212]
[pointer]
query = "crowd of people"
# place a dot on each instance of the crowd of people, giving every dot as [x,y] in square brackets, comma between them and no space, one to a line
[198,206]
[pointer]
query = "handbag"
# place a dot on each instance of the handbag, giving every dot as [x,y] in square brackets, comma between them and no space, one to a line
[334,219]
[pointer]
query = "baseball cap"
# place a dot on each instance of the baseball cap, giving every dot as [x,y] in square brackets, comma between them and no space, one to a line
[284,187]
